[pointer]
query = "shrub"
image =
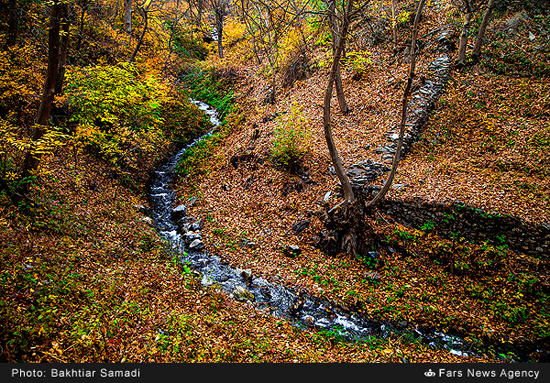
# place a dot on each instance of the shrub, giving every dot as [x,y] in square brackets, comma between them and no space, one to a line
[123,115]
[113,107]
[182,119]
[360,62]
[291,138]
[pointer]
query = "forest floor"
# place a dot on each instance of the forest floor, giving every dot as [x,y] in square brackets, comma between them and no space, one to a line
[91,281]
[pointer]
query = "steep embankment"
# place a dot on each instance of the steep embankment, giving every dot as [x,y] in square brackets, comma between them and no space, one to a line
[480,287]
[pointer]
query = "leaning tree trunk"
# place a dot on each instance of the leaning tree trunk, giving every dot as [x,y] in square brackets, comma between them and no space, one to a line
[349,231]
[344,108]
[382,193]
[219,31]
[32,160]
[346,185]
[461,59]
[271,98]
[200,7]
[272,59]
[479,39]
[394,20]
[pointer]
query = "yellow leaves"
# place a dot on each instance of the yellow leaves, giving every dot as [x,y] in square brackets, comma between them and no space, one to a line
[11,176]
[291,41]
[49,142]
[117,110]
[360,61]
[233,30]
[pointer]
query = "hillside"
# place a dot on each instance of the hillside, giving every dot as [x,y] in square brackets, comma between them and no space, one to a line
[460,244]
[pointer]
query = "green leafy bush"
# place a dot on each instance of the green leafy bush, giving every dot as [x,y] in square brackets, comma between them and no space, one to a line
[104,96]
[192,161]
[291,138]
[114,108]
[360,62]
[122,114]
[182,119]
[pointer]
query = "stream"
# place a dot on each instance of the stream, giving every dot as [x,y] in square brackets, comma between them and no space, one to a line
[301,307]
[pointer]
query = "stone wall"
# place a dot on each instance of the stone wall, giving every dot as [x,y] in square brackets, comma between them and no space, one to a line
[448,220]
[422,103]
[456,218]
[423,100]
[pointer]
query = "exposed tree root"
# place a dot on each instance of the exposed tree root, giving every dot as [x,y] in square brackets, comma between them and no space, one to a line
[348,231]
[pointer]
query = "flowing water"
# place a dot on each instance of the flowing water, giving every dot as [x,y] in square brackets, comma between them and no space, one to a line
[301,307]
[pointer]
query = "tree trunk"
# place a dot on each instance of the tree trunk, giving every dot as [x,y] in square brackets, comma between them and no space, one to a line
[255,49]
[246,20]
[381,194]
[128,16]
[64,49]
[461,60]
[32,160]
[349,231]
[344,108]
[479,39]
[346,185]
[219,30]
[143,13]
[13,23]
[271,98]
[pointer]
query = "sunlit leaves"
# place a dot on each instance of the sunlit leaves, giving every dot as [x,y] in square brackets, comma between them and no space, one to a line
[114,107]
[113,94]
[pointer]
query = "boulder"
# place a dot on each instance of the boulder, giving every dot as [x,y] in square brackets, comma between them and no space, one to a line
[179,212]
[187,220]
[149,221]
[185,224]
[196,226]
[191,236]
[399,186]
[372,276]
[243,295]
[246,243]
[247,276]
[197,245]
[184,228]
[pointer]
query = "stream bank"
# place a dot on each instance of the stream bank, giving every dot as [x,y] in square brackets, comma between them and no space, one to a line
[301,307]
